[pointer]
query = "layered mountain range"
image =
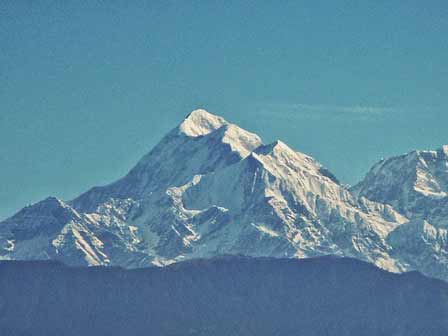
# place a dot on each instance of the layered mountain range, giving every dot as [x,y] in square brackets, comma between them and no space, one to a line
[223,296]
[210,188]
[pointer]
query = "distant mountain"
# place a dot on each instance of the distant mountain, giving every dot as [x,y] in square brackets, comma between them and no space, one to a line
[210,188]
[415,184]
[223,296]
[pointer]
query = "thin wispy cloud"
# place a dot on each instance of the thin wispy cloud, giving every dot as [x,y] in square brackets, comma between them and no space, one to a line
[329,112]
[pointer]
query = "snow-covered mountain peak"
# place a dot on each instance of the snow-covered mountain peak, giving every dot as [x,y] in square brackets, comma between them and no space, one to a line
[279,150]
[33,227]
[445,149]
[210,187]
[416,184]
[239,140]
[279,156]
[201,144]
[200,122]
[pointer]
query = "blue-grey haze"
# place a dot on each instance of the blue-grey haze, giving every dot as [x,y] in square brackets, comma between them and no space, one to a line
[88,87]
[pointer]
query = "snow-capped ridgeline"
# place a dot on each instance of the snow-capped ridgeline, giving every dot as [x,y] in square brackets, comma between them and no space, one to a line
[210,188]
[200,144]
[201,122]
[416,184]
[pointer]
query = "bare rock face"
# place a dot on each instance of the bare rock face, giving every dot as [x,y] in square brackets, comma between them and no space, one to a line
[210,188]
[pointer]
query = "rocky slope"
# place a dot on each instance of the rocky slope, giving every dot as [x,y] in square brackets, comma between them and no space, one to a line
[211,188]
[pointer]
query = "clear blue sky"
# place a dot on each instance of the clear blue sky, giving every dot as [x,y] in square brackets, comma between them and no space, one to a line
[87,89]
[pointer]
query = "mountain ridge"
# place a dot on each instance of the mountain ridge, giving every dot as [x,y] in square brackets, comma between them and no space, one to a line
[210,188]
[221,296]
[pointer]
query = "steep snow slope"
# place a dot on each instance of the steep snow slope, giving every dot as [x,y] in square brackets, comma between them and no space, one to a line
[200,144]
[277,202]
[42,230]
[419,245]
[52,229]
[210,188]
[416,184]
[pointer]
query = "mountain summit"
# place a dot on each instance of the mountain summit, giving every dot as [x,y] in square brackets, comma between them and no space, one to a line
[200,122]
[415,183]
[210,188]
